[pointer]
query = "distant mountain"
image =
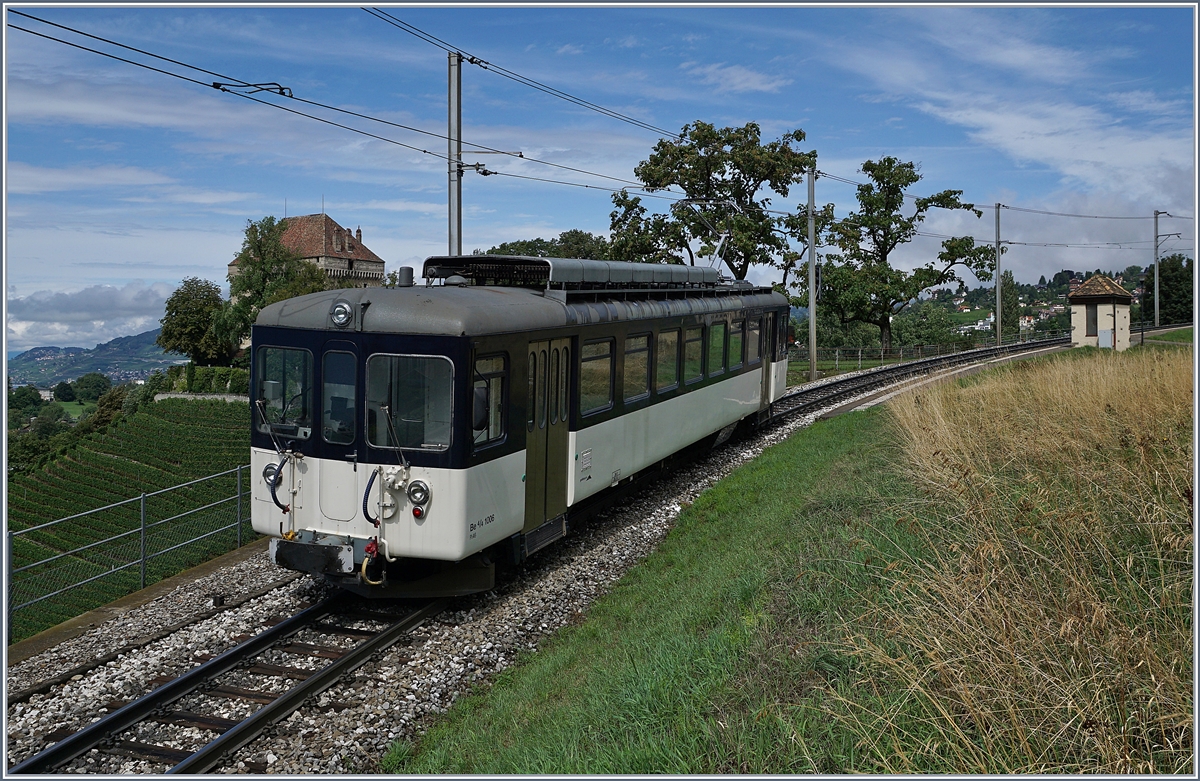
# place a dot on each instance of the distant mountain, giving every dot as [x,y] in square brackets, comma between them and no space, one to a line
[124,358]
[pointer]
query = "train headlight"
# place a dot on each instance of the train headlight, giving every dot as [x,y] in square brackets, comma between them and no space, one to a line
[271,474]
[341,314]
[418,492]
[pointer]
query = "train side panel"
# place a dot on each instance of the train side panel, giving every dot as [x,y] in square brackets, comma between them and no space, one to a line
[610,451]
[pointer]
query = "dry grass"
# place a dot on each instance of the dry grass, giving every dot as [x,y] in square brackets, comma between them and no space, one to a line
[1047,624]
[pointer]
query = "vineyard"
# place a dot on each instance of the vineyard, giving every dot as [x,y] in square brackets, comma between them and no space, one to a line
[165,444]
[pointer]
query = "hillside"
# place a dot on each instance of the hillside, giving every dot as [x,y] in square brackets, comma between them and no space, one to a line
[122,359]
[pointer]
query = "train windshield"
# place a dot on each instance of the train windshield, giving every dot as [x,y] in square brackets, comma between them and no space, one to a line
[409,401]
[283,392]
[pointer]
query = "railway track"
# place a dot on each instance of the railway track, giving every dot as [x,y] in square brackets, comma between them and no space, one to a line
[343,635]
[806,399]
[337,629]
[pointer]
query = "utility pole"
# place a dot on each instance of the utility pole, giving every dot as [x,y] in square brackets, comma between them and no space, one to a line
[812,276]
[1157,297]
[999,333]
[454,152]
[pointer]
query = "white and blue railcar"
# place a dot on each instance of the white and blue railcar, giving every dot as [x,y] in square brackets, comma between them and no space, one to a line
[405,439]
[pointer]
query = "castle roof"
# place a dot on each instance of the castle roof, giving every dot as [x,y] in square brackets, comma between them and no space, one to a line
[317,235]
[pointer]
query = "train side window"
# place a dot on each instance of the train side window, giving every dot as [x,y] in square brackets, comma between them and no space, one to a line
[753,341]
[563,368]
[693,354]
[338,389]
[666,361]
[595,377]
[488,399]
[553,391]
[541,390]
[768,347]
[735,345]
[716,349]
[529,408]
[637,367]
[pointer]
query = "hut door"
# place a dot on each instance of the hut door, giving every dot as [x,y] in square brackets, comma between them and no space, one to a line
[546,431]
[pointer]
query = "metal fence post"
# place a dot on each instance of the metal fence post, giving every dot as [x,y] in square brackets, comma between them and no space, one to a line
[239,505]
[8,582]
[143,540]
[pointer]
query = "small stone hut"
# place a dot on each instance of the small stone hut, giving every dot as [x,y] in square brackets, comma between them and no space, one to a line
[1100,314]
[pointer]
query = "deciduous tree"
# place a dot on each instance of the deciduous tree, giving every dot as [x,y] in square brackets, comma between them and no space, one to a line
[91,386]
[1175,284]
[728,176]
[859,283]
[187,324]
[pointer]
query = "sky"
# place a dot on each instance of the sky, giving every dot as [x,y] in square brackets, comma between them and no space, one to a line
[120,182]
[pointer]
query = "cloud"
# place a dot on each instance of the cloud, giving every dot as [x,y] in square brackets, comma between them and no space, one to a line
[569,48]
[734,78]
[86,317]
[28,179]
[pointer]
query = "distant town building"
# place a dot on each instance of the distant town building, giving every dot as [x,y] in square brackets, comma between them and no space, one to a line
[341,254]
[1100,314]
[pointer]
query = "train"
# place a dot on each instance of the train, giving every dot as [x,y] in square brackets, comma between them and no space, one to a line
[405,440]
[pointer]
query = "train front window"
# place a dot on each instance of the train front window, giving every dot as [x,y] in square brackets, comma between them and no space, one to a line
[337,397]
[283,392]
[409,401]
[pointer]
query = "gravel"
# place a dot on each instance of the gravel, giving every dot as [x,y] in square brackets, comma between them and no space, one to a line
[394,696]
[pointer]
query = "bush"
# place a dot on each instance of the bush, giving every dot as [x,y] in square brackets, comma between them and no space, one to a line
[190,375]
[203,381]
[239,381]
[220,379]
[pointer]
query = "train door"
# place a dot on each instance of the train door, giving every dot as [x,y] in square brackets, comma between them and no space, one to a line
[338,470]
[546,427]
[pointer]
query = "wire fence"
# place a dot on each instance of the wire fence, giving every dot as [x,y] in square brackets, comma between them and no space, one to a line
[844,359]
[61,569]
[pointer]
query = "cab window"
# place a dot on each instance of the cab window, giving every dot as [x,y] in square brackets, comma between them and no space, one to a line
[487,400]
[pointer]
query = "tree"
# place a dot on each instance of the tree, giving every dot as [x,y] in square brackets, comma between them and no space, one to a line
[1175,283]
[267,271]
[727,175]
[859,284]
[24,398]
[64,392]
[572,243]
[924,323]
[91,386]
[638,239]
[187,325]
[795,226]
[1010,306]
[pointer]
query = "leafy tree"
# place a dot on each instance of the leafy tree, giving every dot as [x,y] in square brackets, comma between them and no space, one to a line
[1175,284]
[1130,275]
[639,239]
[924,323]
[267,271]
[64,392]
[23,398]
[572,243]
[795,226]
[1010,307]
[50,421]
[91,386]
[859,284]
[1062,278]
[727,175]
[187,323]
[109,409]
[1042,280]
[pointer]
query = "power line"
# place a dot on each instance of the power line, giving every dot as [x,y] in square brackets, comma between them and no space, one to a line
[1086,216]
[317,104]
[439,43]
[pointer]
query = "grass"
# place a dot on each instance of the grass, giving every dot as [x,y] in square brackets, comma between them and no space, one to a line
[993,575]
[1182,335]
[623,694]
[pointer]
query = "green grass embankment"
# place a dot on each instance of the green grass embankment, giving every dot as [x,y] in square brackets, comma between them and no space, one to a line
[988,576]
[1182,335]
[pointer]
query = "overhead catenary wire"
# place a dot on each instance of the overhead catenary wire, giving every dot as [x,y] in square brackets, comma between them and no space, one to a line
[508,74]
[637,186]
[317,104]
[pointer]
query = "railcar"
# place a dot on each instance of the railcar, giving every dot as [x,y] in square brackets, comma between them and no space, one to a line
[404,440]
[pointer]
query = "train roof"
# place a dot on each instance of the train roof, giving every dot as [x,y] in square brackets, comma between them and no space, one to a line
[507,295]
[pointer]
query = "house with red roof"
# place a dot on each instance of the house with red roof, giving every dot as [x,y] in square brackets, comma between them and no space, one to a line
[338,252]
